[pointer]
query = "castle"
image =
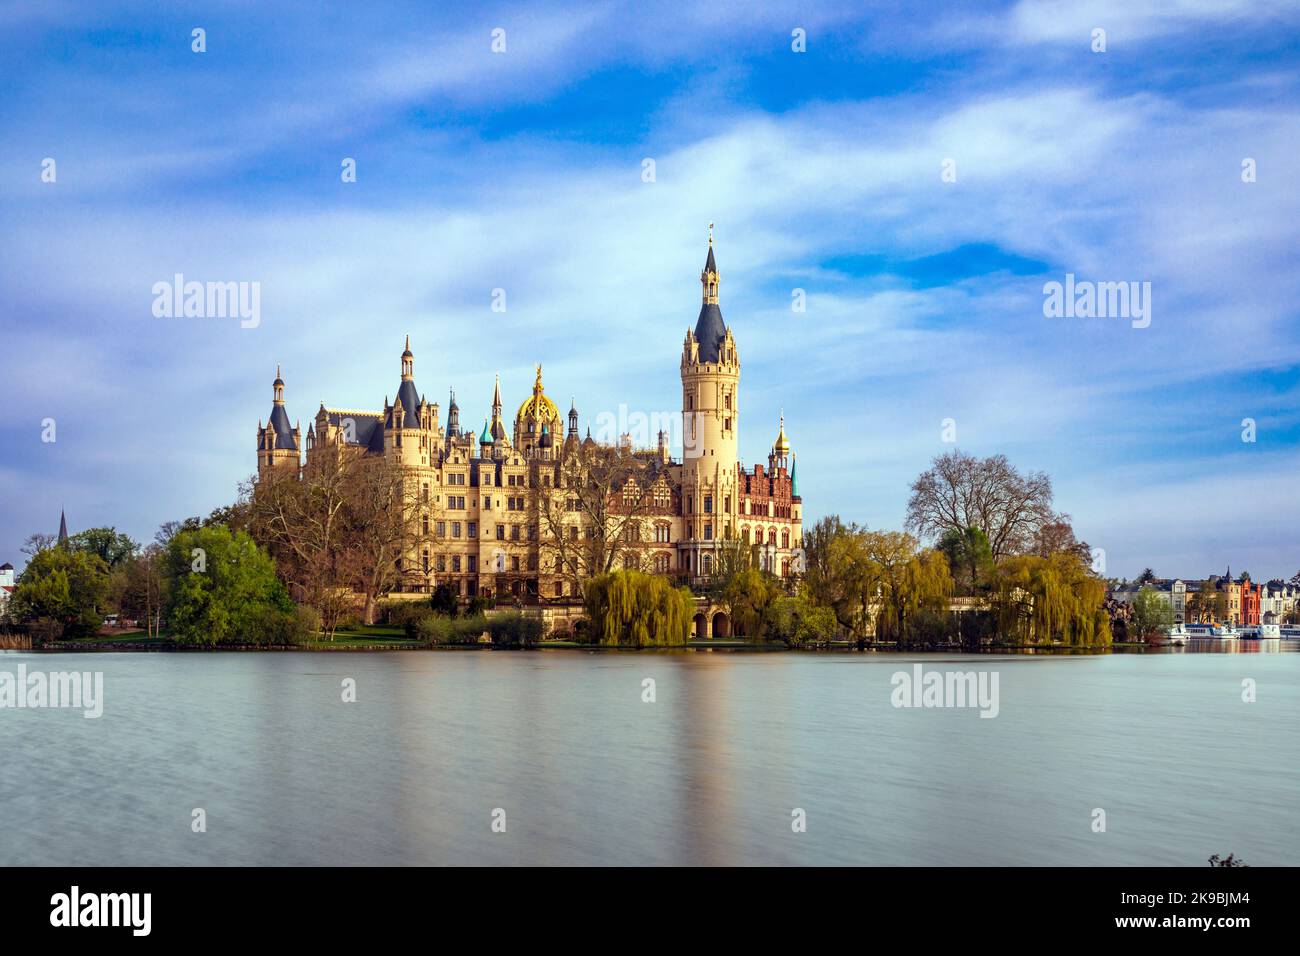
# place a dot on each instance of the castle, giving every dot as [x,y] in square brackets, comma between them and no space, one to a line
[482,521]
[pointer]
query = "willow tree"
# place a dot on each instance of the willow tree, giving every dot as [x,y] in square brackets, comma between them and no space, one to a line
[911,585]
[629,608]
[1055,599]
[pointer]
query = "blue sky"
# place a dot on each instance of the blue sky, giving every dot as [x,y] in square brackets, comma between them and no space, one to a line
[522,170]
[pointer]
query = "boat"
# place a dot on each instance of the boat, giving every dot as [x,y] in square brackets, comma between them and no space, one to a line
[1260,632]
[1176,635]
[1214,632]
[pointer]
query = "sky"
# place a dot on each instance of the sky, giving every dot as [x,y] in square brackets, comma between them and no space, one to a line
[920,172]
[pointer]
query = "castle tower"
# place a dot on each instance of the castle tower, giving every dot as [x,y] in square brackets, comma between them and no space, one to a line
[277,443]
[406,423]
[710,370]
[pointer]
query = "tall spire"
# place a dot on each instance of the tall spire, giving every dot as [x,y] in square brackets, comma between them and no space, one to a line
[63,527]
[794,476]
[709,277]
[408,361]
[498,428]
[277,387]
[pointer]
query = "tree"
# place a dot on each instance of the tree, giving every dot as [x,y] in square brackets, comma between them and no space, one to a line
[1207,604]
[112,546]
[598,514]
[1146,577]
[1150,614]
[1054,599]
[797,620]
[65,588]
[38,542]
[138,587]
[838,574]
[748,597]
[340,530]
[912,586]
[222,588]
[629,608]
[960,491]
[970,557]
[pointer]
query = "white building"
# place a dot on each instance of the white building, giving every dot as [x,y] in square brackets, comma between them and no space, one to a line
[6,586]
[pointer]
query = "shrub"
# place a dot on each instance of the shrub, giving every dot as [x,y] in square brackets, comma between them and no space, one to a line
[398,613]
[515,629]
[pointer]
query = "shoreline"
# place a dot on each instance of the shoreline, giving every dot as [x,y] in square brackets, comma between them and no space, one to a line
[397,644]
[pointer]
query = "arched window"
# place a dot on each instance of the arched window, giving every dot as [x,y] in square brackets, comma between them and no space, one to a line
[785,539]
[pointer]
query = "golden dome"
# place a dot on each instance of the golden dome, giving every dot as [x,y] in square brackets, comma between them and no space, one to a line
[782,446]
[537,405]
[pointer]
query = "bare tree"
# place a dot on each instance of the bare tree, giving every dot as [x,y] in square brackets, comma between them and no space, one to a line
[598,515]
[36,543]
[960,491]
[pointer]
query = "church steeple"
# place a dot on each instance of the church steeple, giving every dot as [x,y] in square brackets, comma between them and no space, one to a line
[63,527]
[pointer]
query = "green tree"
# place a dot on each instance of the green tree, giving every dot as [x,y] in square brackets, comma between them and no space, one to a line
[66,589]
[629,608]
[111,545]
[797,620]
[913,587]
[1150,614]
[1041,600]
[970,558]
[222,588]
[838,573]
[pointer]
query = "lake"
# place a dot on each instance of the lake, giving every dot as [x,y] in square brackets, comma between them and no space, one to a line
[710,772]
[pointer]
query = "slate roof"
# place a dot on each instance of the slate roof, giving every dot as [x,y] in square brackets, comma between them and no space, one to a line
[710,330]
[410,403]
[369,428]
[283,430]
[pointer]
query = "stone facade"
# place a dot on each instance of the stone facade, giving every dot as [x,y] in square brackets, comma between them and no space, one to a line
[479,522]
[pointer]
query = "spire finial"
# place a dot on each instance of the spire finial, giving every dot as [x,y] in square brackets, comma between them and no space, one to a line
[710,233]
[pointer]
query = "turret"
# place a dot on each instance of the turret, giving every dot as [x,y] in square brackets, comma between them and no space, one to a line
[278,443]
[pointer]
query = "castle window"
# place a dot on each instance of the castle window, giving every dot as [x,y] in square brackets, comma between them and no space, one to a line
[473,566]
[455,564]
[442,529]
[514,566]
[455,529]
[708,504]
[471,529]
[708,533]
[501,532]
[785,539]
[424,524]
[441,562]
[514,532]
[708,564]
[424,495]
[424,560]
